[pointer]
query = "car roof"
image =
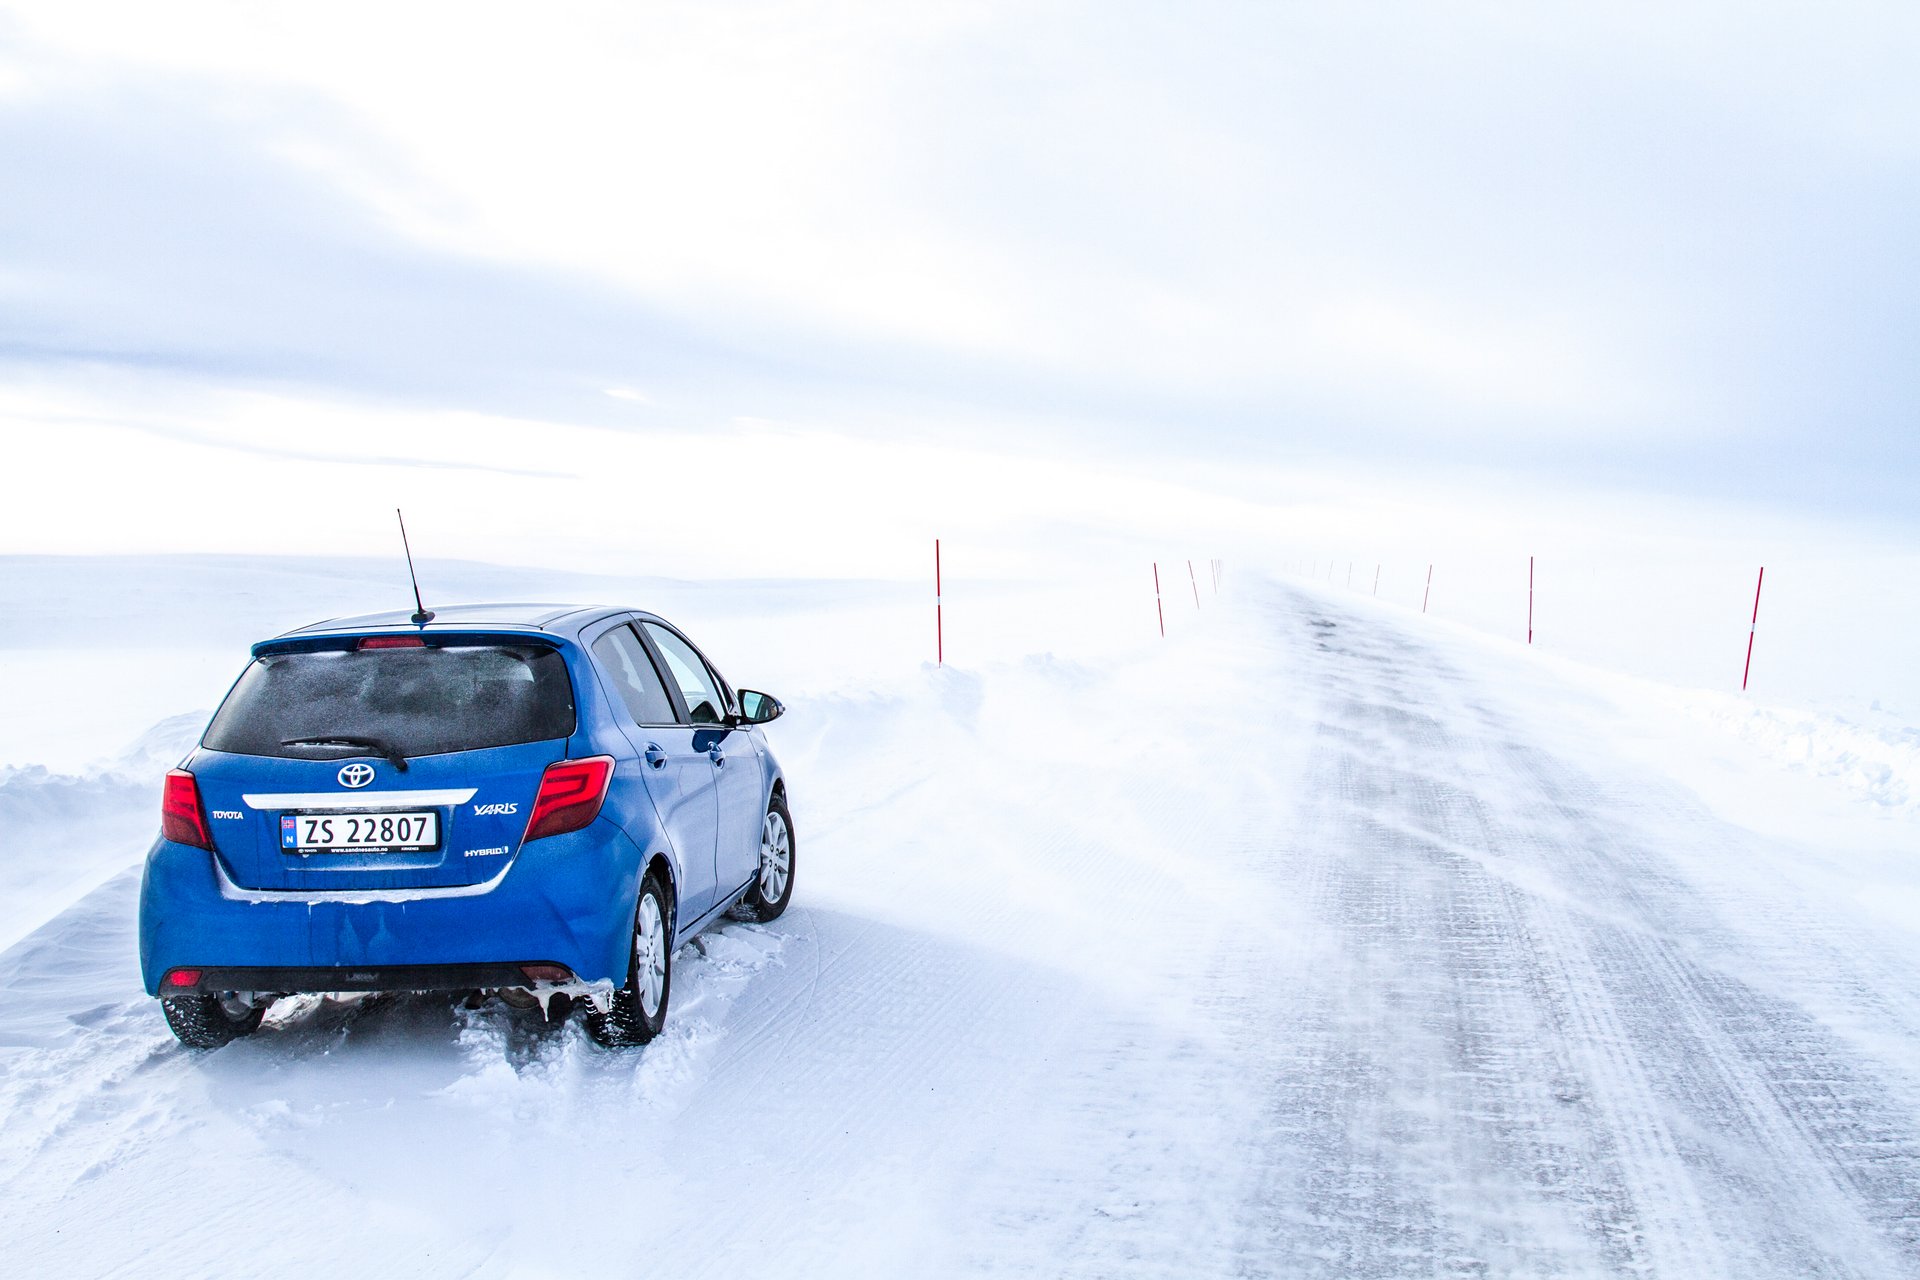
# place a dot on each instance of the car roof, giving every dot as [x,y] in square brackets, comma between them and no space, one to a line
[555,619]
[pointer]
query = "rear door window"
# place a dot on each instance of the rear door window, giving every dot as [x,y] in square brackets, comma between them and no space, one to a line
[411,701]
[705,703]
[626,663]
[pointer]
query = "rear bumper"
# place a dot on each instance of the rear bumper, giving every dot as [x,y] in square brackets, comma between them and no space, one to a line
[565,900]
[397,977]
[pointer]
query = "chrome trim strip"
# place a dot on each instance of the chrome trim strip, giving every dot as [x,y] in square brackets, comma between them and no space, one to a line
[353,897]
[353,800]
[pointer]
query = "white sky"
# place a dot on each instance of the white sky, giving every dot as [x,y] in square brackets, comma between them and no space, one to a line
[1179,263]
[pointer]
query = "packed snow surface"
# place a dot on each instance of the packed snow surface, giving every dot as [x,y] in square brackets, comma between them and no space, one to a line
[1316,941]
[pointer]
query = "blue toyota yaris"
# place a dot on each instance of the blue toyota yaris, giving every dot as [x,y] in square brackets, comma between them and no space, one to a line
[536,800]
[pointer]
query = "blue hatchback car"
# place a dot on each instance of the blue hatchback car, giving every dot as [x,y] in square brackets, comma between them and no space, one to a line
[539,801]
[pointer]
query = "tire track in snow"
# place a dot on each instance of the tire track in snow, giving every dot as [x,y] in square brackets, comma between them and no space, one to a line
[1690,1123]
[101,1111]
[1436,1079]
[1784,1106]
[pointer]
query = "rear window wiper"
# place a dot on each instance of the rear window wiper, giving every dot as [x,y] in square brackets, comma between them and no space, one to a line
[389,753]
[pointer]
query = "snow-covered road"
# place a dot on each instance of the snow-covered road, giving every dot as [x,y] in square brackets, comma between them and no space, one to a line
[1307,944]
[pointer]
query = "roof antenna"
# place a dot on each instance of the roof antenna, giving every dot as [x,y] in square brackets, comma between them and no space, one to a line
[421,614]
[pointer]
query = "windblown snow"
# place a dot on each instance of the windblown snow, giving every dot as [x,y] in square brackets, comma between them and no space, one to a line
[1317,940]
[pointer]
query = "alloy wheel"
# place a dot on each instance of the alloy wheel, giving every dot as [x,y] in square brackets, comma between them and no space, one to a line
[776,857]
[650,955]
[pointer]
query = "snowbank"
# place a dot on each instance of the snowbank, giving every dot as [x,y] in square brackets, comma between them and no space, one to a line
[64,834]
[1878,763]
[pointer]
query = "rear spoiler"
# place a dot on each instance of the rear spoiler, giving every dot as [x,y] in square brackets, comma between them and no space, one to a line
[436,639]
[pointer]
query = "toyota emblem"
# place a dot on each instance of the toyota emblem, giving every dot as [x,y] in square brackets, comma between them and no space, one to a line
[356,775]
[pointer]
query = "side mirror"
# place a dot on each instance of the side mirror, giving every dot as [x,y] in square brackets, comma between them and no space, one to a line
[758,708]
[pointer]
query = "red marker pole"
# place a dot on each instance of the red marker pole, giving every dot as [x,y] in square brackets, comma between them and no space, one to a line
[1753,626]
[1158,608]
[1429,591]
[1196,584]
[1376,579]
[1529,599]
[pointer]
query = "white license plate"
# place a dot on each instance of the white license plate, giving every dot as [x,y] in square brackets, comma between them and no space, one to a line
[359,832]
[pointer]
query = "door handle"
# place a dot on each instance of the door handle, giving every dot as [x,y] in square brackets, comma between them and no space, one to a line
[655,756]
[718,756]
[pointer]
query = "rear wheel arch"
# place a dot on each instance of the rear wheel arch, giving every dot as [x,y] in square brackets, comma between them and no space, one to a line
[626,1021]
[662,866]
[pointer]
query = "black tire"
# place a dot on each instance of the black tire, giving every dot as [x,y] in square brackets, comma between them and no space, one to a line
[772,888]
[206,1022]
[634,1016]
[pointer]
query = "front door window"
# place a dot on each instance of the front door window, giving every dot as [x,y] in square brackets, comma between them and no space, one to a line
[705,704]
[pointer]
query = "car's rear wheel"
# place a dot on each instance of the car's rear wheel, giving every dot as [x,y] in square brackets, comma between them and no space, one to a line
[639,1008]
[772,887]
[210,1021]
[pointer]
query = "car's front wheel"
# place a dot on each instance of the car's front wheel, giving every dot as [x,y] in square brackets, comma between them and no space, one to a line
[209,1021]
[772,887]
[639,1008]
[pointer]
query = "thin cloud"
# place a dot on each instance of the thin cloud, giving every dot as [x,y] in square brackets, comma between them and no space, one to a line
[1672,253]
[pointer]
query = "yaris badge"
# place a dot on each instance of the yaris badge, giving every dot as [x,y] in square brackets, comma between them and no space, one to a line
[356,775]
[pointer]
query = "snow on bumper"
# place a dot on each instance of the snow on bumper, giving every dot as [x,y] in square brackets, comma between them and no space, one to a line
[564,900]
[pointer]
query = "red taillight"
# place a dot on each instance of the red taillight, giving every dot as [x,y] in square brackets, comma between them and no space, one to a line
[571,793]
[393,642]
[182,820]
[183,977]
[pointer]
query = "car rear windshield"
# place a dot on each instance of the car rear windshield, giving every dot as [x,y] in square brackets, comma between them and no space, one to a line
[405,701]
